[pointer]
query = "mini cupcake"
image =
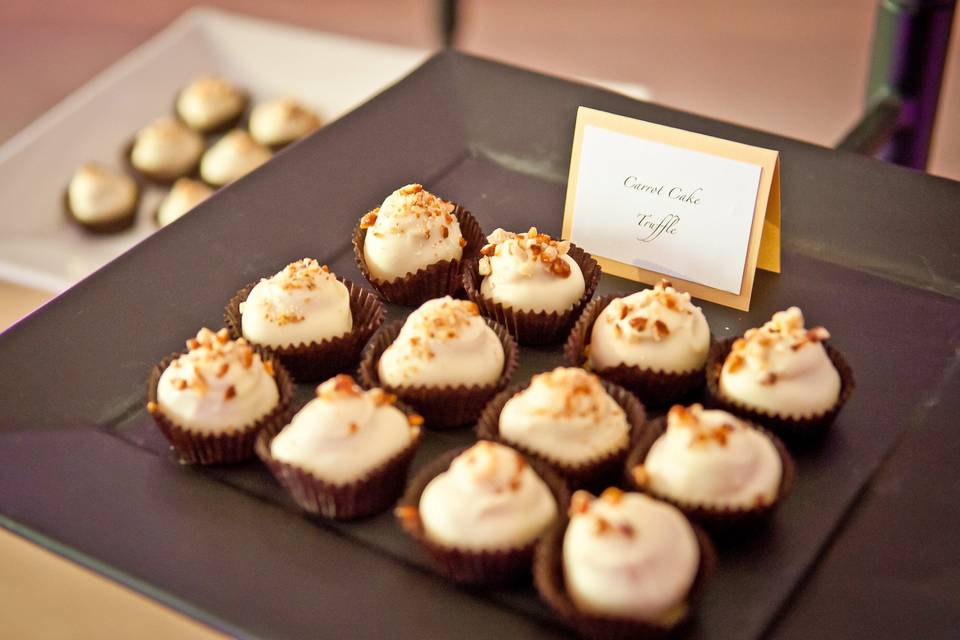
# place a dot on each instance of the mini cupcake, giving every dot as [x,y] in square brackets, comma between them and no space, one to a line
[654,342]
[231,157]
[624,566]
[102,200]
[720,471]
[783,376]
[346,453]
[277,123]
[571,420]
[212,401]
[479,512]
[412,247]
[210,104]
[313,321]
[185,195]
[532,284]
[165,150]
[445,360]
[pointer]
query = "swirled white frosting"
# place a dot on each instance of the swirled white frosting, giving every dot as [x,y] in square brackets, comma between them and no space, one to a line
[489,498]
[529,271]
[208,102]
[166,147]
[782,368]
[344,432]
[411,230]
[97,194]
[444,342]
[219,385]
[303,303]
[713,459]
[183,197]
[565,415]
[656,329]
[281,121]
[628,555]
[232,157]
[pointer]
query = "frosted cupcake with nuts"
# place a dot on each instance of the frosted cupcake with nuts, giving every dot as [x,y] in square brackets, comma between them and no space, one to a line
[479,511]
[445,359]
[782,375]
[314,321]
[345,454]
[212,400]
[412,247]
[654,342]
[531,283]
[574,422]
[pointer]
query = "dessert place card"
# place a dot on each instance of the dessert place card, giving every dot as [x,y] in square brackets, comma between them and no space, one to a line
[649,201]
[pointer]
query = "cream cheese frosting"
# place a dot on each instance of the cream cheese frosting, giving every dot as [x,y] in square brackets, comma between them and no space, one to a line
[489,498]
[628,555]
[208,102]
[344,432]
[411,230]
[656,329]
[233,156]
[166,147]
[219,385]
[281,121]
[530,272]
[713,459]
[444,342]
[565,415]
[97,194]
[303,303]
[182,198]
[782,368]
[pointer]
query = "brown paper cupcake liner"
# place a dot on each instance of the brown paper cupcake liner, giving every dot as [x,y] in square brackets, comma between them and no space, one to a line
[655,388]
[548,577]
[155,178]
[435,281]
[110,226]
[376,491]
[797,431]
[465,566]
[598,472]
[221,448]
[320,360]
[717,520]
[535,327]
[441,407]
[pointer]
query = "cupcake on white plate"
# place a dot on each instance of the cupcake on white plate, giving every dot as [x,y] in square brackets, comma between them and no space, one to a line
[102,200]
[165,150]
[210,104]
[277,123]
[182,198]
[231,157]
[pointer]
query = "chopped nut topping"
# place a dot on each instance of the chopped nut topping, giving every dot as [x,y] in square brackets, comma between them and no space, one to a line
[531,245]
[369,219]
[613,495]
[660,330]
[579,503]
[408,514]
[603,525]
[640,475]
[462,242]
[222,336]
[353,428]
[222,371]
[415,419]
[152,407]
[410,189]
[268,367]
[179,384]
[638,322]
[230,393]
[769,379]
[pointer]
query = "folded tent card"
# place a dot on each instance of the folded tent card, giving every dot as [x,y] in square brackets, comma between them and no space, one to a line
[650,201]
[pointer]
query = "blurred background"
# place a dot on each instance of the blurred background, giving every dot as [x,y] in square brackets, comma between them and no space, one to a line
[795,68]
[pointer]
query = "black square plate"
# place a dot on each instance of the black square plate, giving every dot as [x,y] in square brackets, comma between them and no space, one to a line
[83,470]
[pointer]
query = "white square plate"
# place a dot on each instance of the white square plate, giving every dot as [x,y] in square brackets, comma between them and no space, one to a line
[40,247]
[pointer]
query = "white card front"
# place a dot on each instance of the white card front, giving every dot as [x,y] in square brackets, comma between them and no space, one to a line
[663,208]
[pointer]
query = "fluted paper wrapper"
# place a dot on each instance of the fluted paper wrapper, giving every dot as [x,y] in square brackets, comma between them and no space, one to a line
[548,577]
[441,407]
[720,521]
[110,226]
[465,566]
[655,388]
[221,448]
[434,281]
[318,361]
[376,491]
[597,473]
[535,327]
[797,431]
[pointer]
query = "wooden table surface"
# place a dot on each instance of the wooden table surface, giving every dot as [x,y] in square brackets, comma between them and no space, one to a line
[796,69]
